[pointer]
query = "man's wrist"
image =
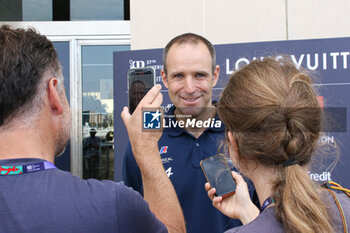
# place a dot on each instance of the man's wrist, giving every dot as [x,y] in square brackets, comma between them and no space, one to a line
[146,155]
[144,148]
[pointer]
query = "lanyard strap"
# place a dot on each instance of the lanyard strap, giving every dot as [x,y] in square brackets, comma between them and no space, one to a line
[266,203]
[28,168]
[333,185]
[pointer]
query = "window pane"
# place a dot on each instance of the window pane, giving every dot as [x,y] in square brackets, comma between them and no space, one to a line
[97,78]
[11,10]
[97,10]
[37,10]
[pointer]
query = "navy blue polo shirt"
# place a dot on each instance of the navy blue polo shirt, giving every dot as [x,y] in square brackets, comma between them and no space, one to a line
[181,154]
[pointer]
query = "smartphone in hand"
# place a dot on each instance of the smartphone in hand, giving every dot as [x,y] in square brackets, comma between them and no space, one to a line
[140,81]
[218,174]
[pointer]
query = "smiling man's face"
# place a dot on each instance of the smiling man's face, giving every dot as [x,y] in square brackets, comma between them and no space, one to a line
[190,78]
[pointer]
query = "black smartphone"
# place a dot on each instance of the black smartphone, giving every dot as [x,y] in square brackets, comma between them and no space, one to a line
[218,174]
[140,81]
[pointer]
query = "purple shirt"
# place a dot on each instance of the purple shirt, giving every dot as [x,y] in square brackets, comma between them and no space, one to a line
[267,222]
[56,201]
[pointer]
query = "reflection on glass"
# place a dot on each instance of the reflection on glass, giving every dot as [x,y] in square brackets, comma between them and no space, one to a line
[91,152]
[136,92]
[98,131]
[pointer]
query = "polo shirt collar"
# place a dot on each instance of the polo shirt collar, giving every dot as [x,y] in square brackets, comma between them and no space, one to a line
[177,131]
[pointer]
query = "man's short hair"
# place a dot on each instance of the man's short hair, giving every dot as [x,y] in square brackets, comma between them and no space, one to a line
[189,38]
[26,57]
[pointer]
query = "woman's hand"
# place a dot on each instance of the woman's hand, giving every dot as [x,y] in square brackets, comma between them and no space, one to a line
[237,206]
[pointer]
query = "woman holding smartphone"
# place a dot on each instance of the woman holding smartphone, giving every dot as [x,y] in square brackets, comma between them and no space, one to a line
[273,122]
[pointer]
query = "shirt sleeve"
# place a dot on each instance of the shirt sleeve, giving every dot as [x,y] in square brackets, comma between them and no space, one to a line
[134,214]
[131,174]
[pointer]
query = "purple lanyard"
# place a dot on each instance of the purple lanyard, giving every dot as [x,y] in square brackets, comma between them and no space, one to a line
[28,168]
[266,203]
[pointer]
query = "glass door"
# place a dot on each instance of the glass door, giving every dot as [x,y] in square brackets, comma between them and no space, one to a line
[97,110]
[85,49]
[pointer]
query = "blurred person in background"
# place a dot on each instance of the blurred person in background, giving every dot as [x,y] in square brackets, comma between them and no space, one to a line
[91,154]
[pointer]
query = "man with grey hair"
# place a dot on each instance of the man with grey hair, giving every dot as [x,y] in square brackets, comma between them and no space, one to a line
[34,129]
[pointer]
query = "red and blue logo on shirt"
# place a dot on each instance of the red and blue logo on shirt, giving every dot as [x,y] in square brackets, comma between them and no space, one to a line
[163,150]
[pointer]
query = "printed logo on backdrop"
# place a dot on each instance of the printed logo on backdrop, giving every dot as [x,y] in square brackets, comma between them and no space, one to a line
[153,63]
[319,173]
[136,64]
[324,61]
[143,63]
[321,177]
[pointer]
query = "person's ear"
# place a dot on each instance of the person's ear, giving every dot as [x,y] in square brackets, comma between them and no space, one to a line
[233,143]
[55,99]
[216,75]
[164,78]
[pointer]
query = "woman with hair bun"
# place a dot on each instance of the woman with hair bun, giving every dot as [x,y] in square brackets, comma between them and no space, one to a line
[273,122]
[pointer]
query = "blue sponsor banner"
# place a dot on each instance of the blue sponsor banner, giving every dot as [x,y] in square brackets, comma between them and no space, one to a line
[327,59]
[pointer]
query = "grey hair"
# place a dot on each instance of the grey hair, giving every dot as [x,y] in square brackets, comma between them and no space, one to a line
[28,116]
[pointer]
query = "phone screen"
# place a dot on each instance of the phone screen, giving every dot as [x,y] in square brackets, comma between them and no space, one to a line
[140,81]
[218,174]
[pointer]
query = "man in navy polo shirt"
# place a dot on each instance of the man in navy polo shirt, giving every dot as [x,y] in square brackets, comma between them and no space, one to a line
[192,131]
[36,196]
